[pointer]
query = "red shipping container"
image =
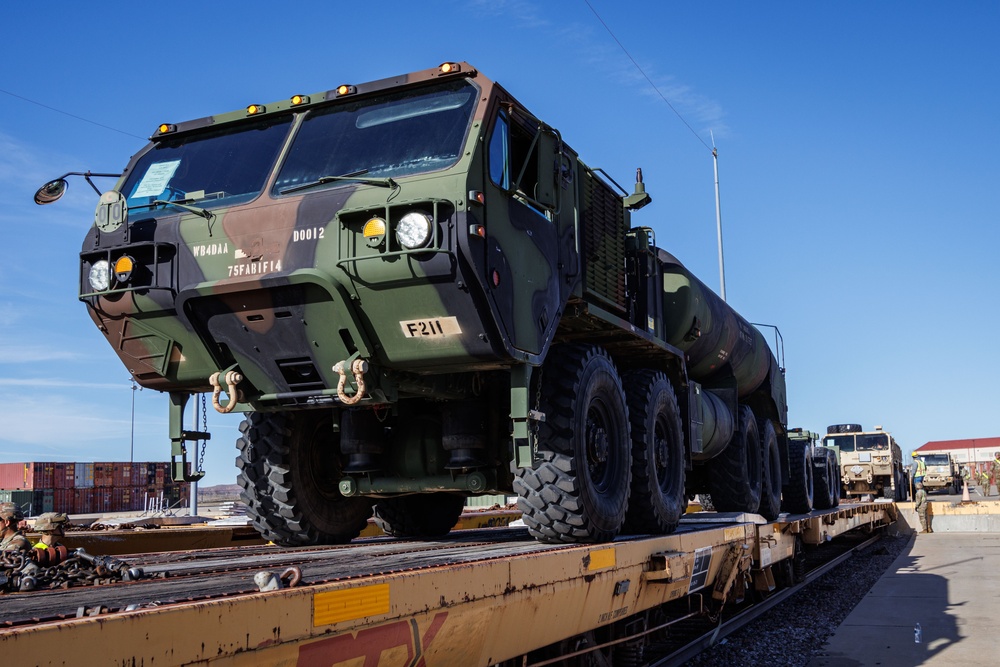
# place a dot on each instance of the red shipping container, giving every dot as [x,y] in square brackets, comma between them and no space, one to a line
[12,476]
[83,501]
[62,500]
[104,475]
[138,477]
[122,473]
[102,500]
[64,476]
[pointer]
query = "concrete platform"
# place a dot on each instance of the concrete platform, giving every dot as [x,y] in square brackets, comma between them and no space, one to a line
[947,582]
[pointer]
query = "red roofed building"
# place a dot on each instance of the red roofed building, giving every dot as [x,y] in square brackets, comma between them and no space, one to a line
[976,450]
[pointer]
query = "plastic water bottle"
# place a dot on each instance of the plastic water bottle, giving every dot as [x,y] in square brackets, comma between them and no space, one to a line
[918,634]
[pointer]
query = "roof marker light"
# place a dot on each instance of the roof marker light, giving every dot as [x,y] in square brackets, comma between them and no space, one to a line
[299,99]
[346,90]
[255,109]
[449,68]
[166,128]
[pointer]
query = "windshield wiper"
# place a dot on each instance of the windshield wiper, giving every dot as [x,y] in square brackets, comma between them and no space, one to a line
[180,203]
[352,176]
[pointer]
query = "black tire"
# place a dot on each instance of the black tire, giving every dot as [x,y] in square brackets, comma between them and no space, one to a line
[797,495]
[770,495]
[834,479]
[424,515]
[822,483]
[735,476]
[578,488]
[656,501]
[289,469]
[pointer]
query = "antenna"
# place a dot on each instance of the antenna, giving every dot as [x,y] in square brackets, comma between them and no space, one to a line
[718,219]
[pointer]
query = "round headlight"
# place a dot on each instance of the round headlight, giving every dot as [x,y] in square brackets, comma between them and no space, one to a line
[100,275]
[414,230]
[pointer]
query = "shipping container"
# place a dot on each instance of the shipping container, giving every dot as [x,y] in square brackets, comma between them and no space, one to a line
[102,499]
[62,500]
[83,477]
[27,475]
[21,498]
[122,475]
[42,500]
[104,475]
[83,500]
[64,476]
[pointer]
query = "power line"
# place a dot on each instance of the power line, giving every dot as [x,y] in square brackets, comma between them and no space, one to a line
[662,96]
[66,113]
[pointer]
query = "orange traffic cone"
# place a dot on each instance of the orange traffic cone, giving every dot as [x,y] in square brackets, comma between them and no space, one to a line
[965,492]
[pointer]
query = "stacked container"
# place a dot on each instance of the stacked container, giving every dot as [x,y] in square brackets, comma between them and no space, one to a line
[88,488]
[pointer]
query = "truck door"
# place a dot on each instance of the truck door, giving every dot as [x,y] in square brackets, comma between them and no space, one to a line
[524,255]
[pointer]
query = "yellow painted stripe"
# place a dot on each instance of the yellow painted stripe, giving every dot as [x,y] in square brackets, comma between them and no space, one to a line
[601,559]
[350,603]
[734,533]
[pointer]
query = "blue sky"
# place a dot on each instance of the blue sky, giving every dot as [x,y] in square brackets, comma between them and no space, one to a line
[858,148]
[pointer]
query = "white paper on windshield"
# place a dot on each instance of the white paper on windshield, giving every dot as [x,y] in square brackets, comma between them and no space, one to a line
[156,178]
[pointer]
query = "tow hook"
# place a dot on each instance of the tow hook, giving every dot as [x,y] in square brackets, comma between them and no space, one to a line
[358,368]
[269,581]
[232,378]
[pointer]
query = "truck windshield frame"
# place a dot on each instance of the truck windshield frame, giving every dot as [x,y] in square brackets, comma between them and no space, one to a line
[394,134]
[936,459]
[221,167]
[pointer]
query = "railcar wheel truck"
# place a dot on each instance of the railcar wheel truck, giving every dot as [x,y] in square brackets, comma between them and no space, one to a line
[416,291]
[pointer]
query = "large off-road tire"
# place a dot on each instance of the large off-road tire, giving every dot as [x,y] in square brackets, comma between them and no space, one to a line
[657,496]
[577,490]
[735,476]
[834,479]
[770,495]
[289,467]
[823,486]
[424,515]
[797,495]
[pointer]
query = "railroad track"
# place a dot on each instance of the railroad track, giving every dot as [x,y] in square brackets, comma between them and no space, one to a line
[695,634]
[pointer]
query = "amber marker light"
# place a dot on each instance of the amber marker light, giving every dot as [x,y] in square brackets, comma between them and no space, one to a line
[299,99]
[374,232]
[123,268]
[255,109]
[449,68]
[477,230]
[346,90]
[166,128]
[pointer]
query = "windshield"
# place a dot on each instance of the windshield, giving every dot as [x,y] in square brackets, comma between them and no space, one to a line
[877,441]
[391,135]
[222,167]
[844,442]
[936,459]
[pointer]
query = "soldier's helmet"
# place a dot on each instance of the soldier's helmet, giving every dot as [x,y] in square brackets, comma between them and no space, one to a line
[10,512]
[51,522]
[996,455]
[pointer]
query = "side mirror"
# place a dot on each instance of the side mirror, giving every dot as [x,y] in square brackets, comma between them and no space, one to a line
[51,191]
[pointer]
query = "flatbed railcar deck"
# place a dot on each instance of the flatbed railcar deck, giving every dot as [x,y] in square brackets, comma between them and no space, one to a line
[479,597]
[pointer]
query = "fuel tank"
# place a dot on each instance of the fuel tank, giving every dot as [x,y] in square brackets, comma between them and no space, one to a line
[716,339]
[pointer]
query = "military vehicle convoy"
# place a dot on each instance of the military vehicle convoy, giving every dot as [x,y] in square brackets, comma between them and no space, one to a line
[416,291]
[871,463]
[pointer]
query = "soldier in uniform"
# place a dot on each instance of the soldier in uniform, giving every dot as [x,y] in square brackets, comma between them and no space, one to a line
[922,508]
[11,537]
[984,481]
[51,526]
[996,471]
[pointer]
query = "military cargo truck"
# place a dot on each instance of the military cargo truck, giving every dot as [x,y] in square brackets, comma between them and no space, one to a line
[871,463]
[417,291]
[942,473]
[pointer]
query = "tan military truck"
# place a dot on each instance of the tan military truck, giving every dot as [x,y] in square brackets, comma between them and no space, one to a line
[871,462]
[942,473]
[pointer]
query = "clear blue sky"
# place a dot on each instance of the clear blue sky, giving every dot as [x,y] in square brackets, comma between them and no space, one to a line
[858,147]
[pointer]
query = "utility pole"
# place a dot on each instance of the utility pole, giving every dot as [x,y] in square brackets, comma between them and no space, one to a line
[718,221]
[131,444]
